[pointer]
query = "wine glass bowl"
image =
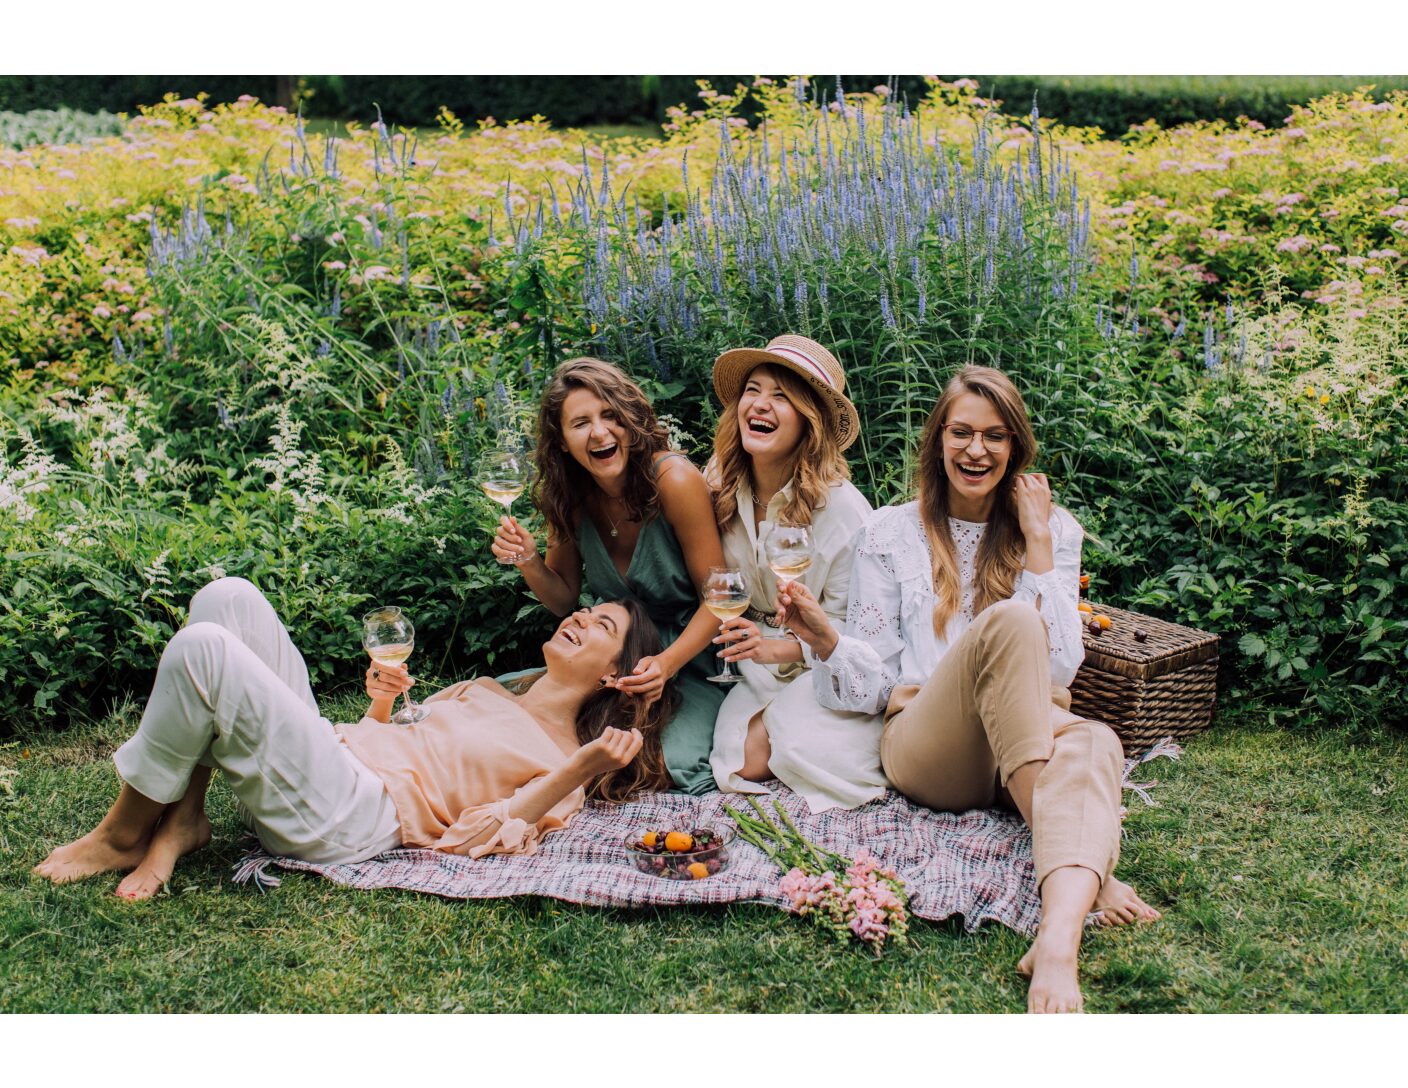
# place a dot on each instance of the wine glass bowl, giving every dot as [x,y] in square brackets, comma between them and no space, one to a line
[789,551]
[389,638]
[725,593]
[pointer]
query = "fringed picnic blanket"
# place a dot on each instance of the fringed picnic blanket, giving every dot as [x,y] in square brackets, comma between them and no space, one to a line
[976,864]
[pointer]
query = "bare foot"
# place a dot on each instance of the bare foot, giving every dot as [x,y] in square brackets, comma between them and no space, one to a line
[177,835]
[97,852]
[1117,904]
[1054,987]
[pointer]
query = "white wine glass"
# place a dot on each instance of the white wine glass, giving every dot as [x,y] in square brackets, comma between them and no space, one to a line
[389,637]
[789,553]
[725,594]
[503,474]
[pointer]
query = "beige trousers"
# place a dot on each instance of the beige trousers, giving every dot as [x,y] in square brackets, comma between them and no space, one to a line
[987,709]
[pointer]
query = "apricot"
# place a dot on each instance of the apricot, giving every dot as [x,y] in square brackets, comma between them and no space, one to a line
[679,841]
[1084,606]
[1085,581]
[1103,621]
[698,870]
[649,839]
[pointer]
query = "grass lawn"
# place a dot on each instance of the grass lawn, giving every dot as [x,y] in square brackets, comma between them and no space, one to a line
[1278,857]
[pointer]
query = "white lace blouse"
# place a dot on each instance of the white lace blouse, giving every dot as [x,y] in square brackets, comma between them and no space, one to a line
[889,635]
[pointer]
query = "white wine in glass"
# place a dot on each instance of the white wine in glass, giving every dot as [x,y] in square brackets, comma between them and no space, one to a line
[789,551]
[389,637]
[503,474]
[725,594]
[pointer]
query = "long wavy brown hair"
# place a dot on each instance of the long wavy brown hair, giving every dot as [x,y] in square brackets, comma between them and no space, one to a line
[817,461]
[609,707]
[562,484]
[1002,551]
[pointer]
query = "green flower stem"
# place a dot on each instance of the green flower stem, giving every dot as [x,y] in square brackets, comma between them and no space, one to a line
[810,848]
[749,830]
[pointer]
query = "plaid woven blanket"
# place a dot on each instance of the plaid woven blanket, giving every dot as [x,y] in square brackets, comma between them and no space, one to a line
[975,864]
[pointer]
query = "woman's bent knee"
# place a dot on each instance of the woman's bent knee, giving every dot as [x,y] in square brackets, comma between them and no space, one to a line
[1100,744]
[195,642]
[1010,613]
[215,596]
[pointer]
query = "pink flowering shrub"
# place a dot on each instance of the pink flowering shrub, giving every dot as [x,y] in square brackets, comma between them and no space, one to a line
[1218,210]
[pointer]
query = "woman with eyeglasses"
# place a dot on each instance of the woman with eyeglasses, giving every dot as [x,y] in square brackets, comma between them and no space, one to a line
[963,632]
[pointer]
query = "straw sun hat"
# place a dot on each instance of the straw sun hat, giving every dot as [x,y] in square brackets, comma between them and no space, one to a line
[805,358]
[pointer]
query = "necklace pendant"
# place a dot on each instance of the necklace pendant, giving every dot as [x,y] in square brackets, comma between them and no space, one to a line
[614,533]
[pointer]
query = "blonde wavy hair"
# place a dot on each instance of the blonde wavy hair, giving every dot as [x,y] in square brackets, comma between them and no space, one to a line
[1002,551]
[817,461]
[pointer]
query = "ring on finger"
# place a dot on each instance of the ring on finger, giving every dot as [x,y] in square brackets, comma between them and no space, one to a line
[376,674]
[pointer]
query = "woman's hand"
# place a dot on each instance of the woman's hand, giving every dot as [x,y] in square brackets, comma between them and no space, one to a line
[611,751]
[512,543]
[801,614]
[741,639]
[647,680]
[1031,495]
[387,681]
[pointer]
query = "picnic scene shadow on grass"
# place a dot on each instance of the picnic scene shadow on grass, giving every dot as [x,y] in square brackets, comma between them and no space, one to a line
[1277,858]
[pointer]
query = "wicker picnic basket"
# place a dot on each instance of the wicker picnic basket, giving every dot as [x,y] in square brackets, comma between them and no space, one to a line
[1146,690]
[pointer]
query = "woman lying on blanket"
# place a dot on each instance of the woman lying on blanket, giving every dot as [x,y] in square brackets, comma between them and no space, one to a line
[626,516]
[485,772]
[963,631]
[779,460]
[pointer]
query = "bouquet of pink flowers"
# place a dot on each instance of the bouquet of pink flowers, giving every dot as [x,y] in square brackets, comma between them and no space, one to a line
[850,898]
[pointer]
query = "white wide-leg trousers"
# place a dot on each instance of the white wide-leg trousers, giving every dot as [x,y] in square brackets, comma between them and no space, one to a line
[232,692]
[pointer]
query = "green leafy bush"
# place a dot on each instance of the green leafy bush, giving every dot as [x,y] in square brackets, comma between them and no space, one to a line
[1262,499]
[315,345]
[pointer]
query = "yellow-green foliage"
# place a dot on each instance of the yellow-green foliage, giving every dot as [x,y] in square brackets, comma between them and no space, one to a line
[1219,208]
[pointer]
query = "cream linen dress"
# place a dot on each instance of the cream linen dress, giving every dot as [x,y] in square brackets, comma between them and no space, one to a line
[830,757]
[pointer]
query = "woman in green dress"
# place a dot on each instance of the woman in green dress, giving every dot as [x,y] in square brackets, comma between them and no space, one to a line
[627,517]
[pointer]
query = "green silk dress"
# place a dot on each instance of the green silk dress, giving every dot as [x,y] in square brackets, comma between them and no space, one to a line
[660,580]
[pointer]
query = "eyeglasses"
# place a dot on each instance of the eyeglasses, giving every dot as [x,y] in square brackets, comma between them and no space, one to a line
[960,437]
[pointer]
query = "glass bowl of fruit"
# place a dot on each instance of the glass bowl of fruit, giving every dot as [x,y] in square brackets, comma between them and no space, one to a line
[675,854]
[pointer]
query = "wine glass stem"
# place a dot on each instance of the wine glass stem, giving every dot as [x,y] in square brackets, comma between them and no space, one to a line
[508,513]
[727,669]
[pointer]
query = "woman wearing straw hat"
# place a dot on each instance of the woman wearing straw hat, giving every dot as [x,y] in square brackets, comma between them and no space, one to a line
[779,461]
